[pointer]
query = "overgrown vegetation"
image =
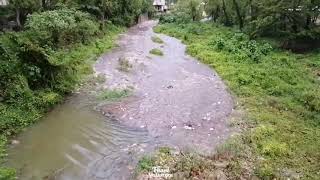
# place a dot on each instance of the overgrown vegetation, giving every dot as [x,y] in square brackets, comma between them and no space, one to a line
[52,48]
[156,52]
[294,23]
[191,165]
[113,95]
[279,91]
[156,39]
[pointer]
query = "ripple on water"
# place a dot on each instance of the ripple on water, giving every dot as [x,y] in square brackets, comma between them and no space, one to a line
[75,142]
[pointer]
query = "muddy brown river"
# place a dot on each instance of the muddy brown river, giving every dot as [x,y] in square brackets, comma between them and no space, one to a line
[175,101]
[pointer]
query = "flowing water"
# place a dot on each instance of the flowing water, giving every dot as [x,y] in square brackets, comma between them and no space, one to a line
[75,142]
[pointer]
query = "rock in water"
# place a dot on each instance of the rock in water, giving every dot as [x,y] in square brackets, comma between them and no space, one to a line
[15,142]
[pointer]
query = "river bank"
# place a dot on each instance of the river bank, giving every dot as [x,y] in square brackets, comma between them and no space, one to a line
[278,91]
[23,116]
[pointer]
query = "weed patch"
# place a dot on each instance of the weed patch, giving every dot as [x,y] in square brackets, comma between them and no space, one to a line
[156,39]
[156,52]
[113,95]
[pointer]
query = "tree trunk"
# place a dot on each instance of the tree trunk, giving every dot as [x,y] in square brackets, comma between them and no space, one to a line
[253,11]
[216,14]
[102,20]
[44,4]
[309,18]
[224,8]
[295,23]
[240,19]
[18,14]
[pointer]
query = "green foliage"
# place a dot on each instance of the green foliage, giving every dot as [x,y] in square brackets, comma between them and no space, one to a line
[278,89]
[120,12]
[37,73]
[175,17]
[240,45]
[156,39]
[191,7]
[113,95]
[146,164]
[61,27]
[294,22]
[7,174]
[156,52]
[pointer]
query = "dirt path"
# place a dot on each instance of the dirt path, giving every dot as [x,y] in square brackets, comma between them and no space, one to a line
[181,102]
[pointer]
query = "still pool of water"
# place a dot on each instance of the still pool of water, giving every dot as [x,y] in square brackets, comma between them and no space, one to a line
[74,142]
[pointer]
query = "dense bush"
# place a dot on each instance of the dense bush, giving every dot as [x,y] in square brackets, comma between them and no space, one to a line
[60,27]
[240,45]
[28,58]
[175,17]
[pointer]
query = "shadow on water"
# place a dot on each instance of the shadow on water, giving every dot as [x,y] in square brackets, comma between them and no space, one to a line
[75,142]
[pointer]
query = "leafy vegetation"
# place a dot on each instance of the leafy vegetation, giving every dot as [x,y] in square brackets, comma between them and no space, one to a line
[278,90]
[294,23]
[113,95]
[291,19]
[146,164]
[156,52]
[156,39]
[120,12]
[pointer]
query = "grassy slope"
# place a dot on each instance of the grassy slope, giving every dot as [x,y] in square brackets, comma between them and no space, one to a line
[24,113]
[280,94]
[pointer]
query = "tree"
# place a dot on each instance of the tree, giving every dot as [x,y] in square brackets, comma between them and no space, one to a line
[213,7]
[191,7]
[22,8]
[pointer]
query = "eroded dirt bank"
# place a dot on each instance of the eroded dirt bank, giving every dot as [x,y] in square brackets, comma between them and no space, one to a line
[179,101]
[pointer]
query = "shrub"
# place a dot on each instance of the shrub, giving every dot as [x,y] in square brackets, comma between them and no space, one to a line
[61,27]
[175,17]
[156,39]
[240,45]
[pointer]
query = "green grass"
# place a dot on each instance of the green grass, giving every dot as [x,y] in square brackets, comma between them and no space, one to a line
[29,108]
[156,39]
[279,91]
[114,95]
[156,52]
[145,164]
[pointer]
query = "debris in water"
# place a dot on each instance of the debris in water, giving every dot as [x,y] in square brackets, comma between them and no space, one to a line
[211,129]
[188,127]
[15,142]
[173,127]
